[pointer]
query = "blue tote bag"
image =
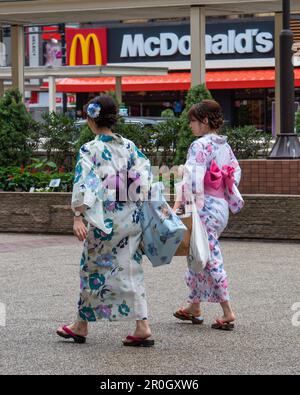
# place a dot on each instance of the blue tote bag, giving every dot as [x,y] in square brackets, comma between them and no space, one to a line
[163,231]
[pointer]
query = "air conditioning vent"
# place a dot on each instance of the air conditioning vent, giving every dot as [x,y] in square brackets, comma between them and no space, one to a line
[295,26]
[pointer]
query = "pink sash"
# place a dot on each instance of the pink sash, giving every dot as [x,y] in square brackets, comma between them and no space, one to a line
[216,180]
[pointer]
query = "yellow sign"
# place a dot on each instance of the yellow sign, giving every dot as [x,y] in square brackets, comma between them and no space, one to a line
[85,43]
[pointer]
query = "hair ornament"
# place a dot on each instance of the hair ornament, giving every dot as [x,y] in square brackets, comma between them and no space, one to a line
[93,110]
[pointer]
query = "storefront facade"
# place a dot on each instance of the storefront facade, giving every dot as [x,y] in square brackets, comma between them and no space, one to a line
[244,48]
[240,64]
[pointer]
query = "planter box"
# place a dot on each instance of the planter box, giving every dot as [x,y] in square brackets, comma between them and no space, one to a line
[274,217]
[36,212]
[268,176]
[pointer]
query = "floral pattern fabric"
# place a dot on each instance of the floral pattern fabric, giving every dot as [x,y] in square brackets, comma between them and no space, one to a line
[162,229]
[211,285]
[111,273]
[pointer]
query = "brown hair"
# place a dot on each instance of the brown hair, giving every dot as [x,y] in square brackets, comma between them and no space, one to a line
[209,109]
[108,115]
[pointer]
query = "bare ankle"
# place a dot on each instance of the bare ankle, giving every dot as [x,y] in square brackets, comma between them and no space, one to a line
[194,308]
[142,327]
[81,326]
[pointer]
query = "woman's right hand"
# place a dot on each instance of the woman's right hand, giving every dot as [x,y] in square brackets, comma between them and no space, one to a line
[79,229]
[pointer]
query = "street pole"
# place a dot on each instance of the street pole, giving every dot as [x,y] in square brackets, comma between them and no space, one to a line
[287,145]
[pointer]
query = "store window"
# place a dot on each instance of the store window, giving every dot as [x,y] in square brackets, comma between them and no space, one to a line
[253,107]
[154,104]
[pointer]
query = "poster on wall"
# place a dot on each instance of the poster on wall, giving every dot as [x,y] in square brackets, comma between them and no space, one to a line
[52,48]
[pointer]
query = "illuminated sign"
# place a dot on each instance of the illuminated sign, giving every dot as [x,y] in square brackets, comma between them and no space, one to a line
[86,47]
[168,44]
[229,40]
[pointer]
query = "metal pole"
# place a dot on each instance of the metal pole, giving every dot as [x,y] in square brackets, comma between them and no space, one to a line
[286,9]
[287,145]
[278,29]
[287,80]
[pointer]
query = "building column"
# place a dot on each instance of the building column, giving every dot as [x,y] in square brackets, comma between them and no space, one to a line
[18,57]
[52,94]
[278,29]
[198,20]
[119,89]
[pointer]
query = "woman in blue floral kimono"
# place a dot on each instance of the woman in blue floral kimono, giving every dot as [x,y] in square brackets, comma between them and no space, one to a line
[211,175]
[111,178]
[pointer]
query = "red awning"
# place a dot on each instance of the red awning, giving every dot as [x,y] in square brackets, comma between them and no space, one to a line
[230,79]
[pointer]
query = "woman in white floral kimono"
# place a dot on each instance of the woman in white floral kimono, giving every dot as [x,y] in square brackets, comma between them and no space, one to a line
[109,170]
[211,175]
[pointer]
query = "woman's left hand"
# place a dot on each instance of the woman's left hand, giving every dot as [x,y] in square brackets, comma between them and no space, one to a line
[79,229]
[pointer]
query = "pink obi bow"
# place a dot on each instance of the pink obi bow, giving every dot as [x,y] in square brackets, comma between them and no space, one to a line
[217,179]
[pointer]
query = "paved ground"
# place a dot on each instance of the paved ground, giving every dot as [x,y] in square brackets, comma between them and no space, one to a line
[38,285]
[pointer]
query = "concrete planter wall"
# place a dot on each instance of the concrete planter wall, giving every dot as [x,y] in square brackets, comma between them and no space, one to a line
[264,216]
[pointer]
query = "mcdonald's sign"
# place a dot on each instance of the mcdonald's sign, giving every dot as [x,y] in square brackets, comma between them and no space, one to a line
[86,47]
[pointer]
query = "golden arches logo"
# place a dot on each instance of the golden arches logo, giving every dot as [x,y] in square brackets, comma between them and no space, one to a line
[85,43]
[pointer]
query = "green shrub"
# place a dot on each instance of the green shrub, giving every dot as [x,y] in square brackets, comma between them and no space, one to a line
[247,142]
[143,136]
[86,135]
[22,179]
[166,141]
[168,113]
[195,95]
[157,141]
[60,133]
[18,131]
[42,164]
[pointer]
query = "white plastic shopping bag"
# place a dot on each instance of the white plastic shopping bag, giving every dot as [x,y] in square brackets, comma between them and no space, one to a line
[199,246]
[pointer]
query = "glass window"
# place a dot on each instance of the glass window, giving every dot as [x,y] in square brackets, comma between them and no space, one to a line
[251,107]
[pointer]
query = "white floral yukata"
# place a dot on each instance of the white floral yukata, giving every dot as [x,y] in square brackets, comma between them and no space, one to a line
[212,153]
[111,273]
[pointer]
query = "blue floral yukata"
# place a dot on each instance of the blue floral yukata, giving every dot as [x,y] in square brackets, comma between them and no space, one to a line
[111,273]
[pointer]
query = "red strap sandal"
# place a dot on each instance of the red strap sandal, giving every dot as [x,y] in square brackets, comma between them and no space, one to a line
[134,341]
[223,325]
[183,315]
[68,334]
